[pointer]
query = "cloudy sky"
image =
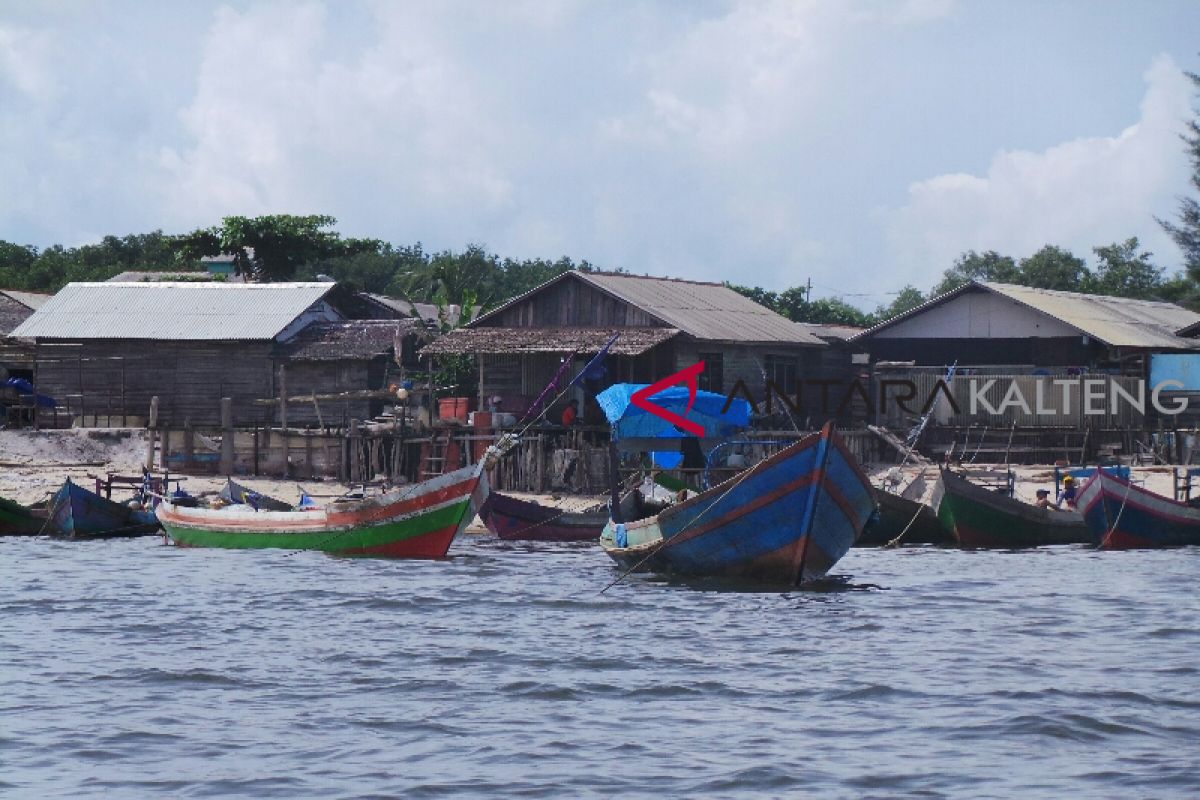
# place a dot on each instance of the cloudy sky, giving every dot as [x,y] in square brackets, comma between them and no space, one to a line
[858,143]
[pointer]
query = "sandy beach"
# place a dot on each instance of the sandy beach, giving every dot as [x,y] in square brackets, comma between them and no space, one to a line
[35,463]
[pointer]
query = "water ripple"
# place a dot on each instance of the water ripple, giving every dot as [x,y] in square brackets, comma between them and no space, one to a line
[133,669]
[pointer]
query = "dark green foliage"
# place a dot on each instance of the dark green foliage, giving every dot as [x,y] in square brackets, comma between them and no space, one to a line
[1124,272]
[1054,268]
[987,266]
[1186,231]
[271,247]
[449,277]
[907,299]
[793,304]
[26,268]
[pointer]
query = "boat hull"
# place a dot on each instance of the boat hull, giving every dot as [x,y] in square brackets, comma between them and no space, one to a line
[1122,516]
[899,514]
[514,519]
[418,521]
[76,513]
[981,519]
[787,520]
[19,520]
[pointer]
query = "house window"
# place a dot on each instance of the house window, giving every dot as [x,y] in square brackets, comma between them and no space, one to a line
[713,377]
[783,370]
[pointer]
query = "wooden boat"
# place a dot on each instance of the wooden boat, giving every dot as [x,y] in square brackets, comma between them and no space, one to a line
[1121,516]
[77,513]
[979,517]
[897,514]
[233,492]
[514,519]
[19,520]
[417,521]
[788,519]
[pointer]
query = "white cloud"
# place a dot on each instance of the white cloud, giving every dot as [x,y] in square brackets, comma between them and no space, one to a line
[1079,194]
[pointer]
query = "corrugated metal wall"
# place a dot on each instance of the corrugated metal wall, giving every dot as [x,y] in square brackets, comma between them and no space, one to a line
[1048,400]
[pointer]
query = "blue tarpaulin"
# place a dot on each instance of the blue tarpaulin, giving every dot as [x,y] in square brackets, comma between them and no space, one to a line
[22,386]
[629,421]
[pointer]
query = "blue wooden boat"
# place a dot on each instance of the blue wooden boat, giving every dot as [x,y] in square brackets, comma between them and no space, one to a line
[76,513]
[1123,516]
[786,520]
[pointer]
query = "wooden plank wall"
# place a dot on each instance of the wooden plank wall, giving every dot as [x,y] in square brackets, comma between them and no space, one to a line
[326,377]
[190,378]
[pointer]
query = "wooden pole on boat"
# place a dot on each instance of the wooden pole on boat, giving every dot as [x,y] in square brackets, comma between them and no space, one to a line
[226,436]
[151,432]
[614,482]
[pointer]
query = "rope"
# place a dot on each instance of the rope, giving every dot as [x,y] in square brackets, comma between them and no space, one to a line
[920,507]
[665,542]
[1120,510]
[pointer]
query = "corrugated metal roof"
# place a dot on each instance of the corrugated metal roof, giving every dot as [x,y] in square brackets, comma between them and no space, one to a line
[491,341]
[841,333]
[1115,321]
[32,300]
[425,311]
[710,311]
[172,311]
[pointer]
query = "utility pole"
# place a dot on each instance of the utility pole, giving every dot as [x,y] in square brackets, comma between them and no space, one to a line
[808,291]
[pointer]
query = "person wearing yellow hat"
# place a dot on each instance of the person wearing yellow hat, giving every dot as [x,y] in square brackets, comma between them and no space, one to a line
[1067,495]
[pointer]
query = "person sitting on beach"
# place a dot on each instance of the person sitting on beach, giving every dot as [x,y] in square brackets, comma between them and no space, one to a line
[1067,495]
[1043,499]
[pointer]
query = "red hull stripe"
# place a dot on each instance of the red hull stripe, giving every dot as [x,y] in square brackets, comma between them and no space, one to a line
[318,520]
[742,510]
[433,544]
[847,509]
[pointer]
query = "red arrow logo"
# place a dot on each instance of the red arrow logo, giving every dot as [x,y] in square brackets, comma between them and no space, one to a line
[641,398]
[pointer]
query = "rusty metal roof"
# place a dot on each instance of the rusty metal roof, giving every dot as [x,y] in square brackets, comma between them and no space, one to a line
[189,311]
[709,311]
[1114,321]
[354,340]
[491,341]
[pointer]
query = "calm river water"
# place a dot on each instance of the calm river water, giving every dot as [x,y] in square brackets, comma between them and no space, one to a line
[132,669]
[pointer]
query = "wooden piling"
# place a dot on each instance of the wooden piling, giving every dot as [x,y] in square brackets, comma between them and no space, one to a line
[283,406]
[226,436]
[152,431]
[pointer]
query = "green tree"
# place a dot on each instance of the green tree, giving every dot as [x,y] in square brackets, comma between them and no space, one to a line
[758,295]
[986,266]
[1122,271]
[833,311]
[1186,231]
[272,247]
[906,300]
[1054,268]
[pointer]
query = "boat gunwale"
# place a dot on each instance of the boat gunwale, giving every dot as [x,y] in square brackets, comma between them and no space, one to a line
[1003,504]
[267,522]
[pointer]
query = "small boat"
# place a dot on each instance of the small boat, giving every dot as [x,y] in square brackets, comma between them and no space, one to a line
[19,520]
[904,514]
[1122,516]
[786,520]
[233,492]
[77,513]
[524,520]
[416,521]
[982,517]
